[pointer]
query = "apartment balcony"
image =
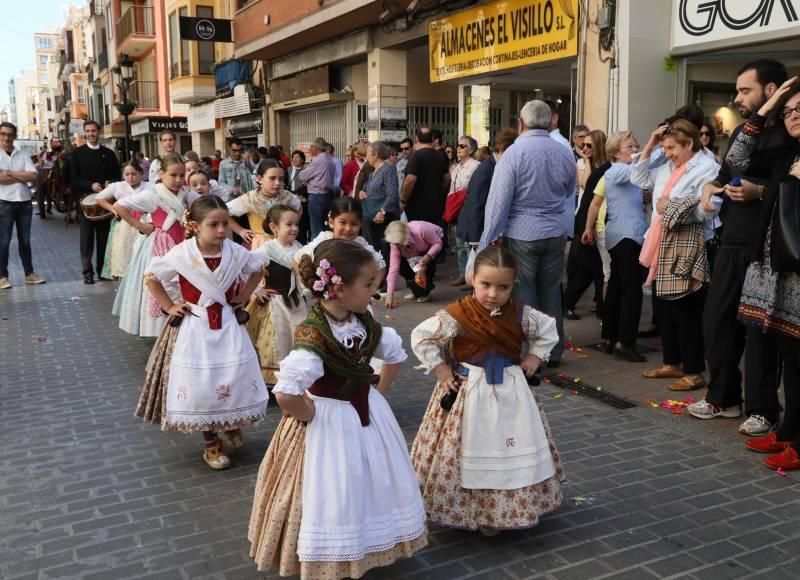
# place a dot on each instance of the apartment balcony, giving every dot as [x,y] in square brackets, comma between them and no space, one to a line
[192,89]
[136,31]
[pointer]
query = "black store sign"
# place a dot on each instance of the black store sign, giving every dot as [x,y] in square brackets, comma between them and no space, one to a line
[177,124]
[206,29]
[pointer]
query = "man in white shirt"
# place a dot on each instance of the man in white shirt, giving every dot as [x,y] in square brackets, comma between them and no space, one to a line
[16,172]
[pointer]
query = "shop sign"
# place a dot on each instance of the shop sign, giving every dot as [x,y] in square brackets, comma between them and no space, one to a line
[205,29]
[502,35]
[731,22]
[158,124]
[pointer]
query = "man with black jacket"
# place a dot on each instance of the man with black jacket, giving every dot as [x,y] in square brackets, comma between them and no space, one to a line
[725,337]
[91,167]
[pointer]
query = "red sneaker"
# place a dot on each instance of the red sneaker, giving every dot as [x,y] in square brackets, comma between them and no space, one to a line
[786,460]
[768,444]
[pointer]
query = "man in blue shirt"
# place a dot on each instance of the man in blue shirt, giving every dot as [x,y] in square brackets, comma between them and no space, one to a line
[525,209]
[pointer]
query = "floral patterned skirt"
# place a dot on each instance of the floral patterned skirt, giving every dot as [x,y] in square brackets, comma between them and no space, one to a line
[153,399]
[277,513]
[771,300]
[436,457]
[262,333]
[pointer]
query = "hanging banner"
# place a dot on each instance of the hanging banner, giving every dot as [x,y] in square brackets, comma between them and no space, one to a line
[502,35]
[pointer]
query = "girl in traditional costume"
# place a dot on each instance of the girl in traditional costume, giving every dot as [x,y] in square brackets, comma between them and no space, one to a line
[336,494]
[139,313]
[256,204]
[122,236]
[345,221]
[278,307]
[214,382]
[484,454]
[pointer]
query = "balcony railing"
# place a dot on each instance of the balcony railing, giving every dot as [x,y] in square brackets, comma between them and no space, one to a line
[144,94]
[136,20]
[102,62]
[96,7]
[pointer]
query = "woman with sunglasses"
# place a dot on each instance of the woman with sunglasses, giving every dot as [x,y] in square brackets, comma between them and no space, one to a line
[707,138]
[587,264]
[460,174]
[674,246]
[450,152]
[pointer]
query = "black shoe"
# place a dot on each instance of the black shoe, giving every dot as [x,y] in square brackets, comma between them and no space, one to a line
[553,364]
[88,279]
[629,353]
[649,333]
[607,346]
[570,315]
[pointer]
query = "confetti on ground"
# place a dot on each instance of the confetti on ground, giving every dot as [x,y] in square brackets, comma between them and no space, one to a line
[781,472]
[546,379]
[582,499]
[577,380]
[653,404]
[583,356]
[599,388]
[390,317]
[574,392]
[75,298]
[558,395]
[42,338]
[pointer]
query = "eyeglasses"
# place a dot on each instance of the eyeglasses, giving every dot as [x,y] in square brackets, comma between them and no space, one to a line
[787,112]
[461,146]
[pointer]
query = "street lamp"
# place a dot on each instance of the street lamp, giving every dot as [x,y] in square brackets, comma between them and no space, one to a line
[124,72]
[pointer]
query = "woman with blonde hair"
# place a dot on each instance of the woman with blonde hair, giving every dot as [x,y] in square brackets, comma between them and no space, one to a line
[624,235]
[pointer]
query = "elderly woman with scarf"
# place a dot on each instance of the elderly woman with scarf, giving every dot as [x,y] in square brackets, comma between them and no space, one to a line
[674,246]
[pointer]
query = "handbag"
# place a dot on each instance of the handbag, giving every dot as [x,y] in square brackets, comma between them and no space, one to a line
[452,207]
[785,239]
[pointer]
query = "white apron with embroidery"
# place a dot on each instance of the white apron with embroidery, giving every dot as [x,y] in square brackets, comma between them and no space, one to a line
[503,442]
[214,376]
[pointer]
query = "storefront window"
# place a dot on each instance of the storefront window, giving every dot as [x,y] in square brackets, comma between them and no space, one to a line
[477,121]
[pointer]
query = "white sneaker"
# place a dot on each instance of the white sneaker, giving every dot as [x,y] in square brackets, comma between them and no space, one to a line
[755,426]
[423,299]
[408,296]
[702,409]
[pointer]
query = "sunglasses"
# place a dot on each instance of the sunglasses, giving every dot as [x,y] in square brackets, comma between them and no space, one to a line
[585,146]
[787,112]
[448,151]
[405,148]
[461,146]
[705,134]
[235,150]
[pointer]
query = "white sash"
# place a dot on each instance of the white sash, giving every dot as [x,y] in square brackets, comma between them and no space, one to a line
[173,204]
[187,260]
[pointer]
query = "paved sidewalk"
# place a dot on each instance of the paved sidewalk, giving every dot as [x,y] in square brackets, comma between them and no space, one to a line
[88,491]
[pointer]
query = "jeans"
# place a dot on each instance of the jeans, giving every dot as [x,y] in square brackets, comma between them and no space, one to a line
[17,213]
[319,206]
[539,280]
[462,250]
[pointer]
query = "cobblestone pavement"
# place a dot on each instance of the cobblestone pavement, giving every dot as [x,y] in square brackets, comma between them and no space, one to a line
[88,491]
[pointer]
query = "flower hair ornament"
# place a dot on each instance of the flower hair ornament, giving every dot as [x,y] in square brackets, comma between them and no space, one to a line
[327,278]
